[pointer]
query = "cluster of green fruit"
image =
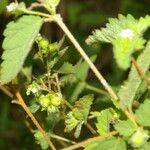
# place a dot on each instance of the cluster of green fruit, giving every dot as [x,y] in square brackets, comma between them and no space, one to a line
[50,102]
[45,46]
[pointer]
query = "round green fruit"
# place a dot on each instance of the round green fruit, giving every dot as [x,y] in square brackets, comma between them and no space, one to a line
[43,44]
[44,101]
[53,47]
[56,100]
[139,138]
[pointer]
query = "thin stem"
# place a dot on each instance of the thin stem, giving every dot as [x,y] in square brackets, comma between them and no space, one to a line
[62,139]
[37,13]
[6,91]
[91,129]
[140,72]
[58,20]
[95,89]
[88,141]
[129,116]
[35,5]
[68,104]
[57,83]
[24,106]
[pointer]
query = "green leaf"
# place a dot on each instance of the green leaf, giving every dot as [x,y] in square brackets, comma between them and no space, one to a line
[143,24]
[78,88]
[41,140]
[125,34]
[66,68]
[123,49]
[125,128]
[71,122]
[143,114]
[34,107]
[27,72]
[103,121]
[52,3]
[79,114]
[19,38]
[81,75]
[115,26]
[107,144]
[127,92]
[82,107]
[55,58]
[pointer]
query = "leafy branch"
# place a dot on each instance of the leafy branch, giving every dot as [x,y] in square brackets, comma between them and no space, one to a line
[27,110]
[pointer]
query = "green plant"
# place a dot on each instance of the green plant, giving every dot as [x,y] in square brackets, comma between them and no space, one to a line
[124,125]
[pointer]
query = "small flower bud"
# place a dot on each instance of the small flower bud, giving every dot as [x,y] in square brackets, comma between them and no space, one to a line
[33,88]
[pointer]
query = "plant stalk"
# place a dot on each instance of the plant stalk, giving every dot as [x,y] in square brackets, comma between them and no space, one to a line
[88,141]
[24,106]
[58,20]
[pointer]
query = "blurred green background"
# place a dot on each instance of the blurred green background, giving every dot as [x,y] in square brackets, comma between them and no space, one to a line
[81,16]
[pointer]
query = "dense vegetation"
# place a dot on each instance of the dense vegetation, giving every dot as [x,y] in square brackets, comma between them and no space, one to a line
[57,92]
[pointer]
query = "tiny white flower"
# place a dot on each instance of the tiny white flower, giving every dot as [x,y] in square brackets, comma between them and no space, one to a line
[47,74]
[126,33]
[11,6]
[28,91]
[34,90]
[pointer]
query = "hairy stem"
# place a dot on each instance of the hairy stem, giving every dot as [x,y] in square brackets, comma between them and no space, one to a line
[88,141]
[62,139]
[130,116]
[61,24]
[37,13]
[24,106]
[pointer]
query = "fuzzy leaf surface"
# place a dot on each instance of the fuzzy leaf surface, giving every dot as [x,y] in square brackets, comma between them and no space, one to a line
[143,114]
[107,144]
[127,92]
[125,34]
[19,38]
[66,68]
[103,121]
[125,128]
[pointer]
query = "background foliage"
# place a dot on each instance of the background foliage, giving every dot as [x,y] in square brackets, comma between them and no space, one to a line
[81,17]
